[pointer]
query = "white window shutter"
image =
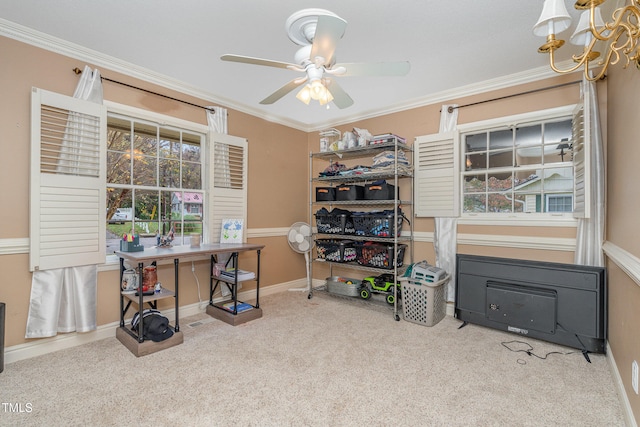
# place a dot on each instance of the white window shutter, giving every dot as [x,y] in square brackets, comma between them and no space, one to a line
[68,182]
[228,165]
[580,141]
[437,175]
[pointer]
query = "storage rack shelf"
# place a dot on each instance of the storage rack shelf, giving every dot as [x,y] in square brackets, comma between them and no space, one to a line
[395,173]
[376,301]
[218,310]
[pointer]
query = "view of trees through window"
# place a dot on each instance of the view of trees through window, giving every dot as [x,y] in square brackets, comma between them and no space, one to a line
[154,181]
[525,168]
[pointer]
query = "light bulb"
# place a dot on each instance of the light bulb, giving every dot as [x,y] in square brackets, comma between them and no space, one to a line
[305,94]
[317,89]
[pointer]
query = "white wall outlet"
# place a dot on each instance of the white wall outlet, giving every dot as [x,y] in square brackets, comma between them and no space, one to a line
[634,376]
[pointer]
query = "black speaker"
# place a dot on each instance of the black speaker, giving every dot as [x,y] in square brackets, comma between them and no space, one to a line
[2,307]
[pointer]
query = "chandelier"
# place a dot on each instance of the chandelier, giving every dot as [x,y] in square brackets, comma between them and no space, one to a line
[619,37]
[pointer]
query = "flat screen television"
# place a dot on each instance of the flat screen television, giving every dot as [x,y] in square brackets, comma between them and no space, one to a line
[561,303]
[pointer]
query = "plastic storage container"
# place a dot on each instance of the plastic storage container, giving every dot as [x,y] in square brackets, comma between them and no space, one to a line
[329,139]
[337,221]
[325,194]
[349,192]
[379,191]
[423,302]
[429,273]
[377,224]
[335,250]
[378,255]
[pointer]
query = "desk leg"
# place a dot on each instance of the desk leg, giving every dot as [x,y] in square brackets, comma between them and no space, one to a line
[122,310]
[234,287]
[258,282]
[140,302]
[175,266]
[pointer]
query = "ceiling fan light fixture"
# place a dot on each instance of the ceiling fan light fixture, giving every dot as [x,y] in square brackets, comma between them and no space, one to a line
[304,94]
[317,32]
[317,89]
[326,97]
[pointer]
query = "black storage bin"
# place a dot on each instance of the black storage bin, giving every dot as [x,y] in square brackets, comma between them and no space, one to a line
[378,224]
[379,255]
[380,190]
[349,192]
[2,310]
[335,250]
[338,221]
[325,194]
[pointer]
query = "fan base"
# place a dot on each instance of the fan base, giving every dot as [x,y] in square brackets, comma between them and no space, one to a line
[301,26]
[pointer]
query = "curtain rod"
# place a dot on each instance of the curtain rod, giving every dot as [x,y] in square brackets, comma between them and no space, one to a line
[451,108]
[79,71]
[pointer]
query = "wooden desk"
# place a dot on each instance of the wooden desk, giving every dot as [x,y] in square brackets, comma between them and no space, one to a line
[125,335]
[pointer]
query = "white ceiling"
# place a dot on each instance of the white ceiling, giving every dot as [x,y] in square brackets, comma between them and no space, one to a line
[469,44]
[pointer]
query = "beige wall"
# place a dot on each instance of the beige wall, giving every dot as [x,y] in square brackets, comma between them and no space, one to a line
[276,179]
[623,204]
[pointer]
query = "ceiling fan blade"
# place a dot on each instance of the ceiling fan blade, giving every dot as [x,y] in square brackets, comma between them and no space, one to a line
[256,61]
[400,68]
[282,91]
[329,30]
[340,98]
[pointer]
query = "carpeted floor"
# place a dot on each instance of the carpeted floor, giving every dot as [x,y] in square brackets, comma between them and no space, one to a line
[318,362]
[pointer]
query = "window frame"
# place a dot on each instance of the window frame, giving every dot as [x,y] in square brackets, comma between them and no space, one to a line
[511,218]
[159,119]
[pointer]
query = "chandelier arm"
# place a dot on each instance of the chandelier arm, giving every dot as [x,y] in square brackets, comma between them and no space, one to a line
[580,62]
[627,47]
[629,12]
[600,75]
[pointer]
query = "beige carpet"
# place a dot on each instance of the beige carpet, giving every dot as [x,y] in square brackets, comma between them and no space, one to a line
[318,362]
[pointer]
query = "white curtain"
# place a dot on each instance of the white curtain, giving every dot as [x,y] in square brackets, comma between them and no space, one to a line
[64,299]
[217,120]
[444,235]
[590,233]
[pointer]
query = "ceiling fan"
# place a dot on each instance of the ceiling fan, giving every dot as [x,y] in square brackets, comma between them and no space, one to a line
[317,31]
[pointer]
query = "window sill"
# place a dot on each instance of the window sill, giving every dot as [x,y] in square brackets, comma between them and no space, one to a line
[519,220]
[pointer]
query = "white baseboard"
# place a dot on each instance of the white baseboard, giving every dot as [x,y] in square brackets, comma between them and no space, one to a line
[622,393]
[42,346]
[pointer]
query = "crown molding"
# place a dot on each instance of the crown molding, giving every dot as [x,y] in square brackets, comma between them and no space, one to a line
[53,44]
[38,39]
[503,82]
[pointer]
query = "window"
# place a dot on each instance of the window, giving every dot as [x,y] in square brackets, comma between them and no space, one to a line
[154,181]
[560,203]
[527,165]
[508,167]
[115,167]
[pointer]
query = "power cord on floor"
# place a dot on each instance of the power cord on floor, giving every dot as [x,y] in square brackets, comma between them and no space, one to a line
[193,271]
[529,351]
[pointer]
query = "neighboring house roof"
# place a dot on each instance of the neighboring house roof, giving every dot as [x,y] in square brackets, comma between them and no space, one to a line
[194,198]
[554,181]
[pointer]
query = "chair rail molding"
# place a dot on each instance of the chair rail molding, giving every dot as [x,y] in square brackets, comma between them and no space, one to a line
[627,262]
